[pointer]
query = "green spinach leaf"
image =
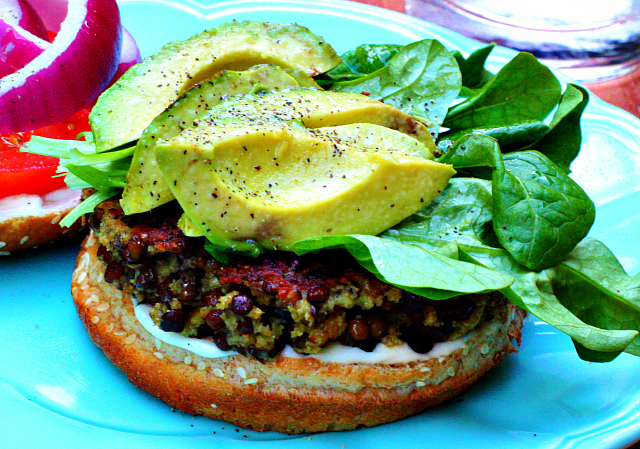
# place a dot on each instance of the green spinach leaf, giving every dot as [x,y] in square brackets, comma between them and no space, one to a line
[461,214]
[472,68]
[510,137]
[522,90]
[575,296]
[472,150]
[363,60]
[562,143]
[422,79]
[543,295]
[432,274]
[593,285]
[540,214]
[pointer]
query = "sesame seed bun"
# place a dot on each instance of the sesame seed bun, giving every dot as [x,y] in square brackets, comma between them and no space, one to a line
[292,395]
[27,221]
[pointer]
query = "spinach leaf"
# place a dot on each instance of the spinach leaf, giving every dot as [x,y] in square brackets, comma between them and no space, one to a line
[594,286]
[474,75]
[472,150]
[510,137]
[560,140]
[462,214]
[540,214]
[422,79]
[363,60]
[432,274]
[543,295]
[522,90]
[562,143]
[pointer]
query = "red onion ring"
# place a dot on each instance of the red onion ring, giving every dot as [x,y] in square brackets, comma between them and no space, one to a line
[129,56]
[70,74]
[52,12]
[17,47]
[20,13]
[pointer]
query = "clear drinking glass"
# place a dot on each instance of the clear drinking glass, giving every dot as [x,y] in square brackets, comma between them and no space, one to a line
[592,41]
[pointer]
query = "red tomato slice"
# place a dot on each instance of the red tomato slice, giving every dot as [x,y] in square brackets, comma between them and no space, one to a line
[26,173]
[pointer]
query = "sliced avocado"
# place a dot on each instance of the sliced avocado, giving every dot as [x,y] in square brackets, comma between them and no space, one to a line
[317,109]
[129,106]
[302,79]
[265,183]
[364,135]
[374,138]
[188,227]
[146,187]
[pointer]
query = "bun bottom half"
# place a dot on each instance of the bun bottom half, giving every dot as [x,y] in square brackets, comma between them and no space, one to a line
[291,395]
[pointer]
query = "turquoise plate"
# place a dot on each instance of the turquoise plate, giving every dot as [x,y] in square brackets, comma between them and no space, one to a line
[57,390]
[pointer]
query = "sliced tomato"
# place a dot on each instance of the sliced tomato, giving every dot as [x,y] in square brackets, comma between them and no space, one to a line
[26,173]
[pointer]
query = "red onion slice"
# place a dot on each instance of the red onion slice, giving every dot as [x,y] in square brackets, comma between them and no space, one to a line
[17,47]
[20,13]
[52,12]
[129,56]
[70,74]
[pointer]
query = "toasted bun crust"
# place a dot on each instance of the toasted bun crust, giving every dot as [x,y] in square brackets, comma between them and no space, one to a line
[36,225]
[291,395]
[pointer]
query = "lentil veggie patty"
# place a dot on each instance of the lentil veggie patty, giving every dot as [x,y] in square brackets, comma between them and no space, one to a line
[257,306]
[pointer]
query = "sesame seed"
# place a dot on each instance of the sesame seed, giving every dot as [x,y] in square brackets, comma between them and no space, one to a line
[187,360]
[251,381]
[214,406]
[110,327]
[201,366]
[218,372]
[5,253]
[95,319]
[2,244]
[158,343]
[425,369]
[242,373]
[484,349]
[451,371]
[81,277]
[420,383]
[159,355]
[103,307]
[120,333]
[56,219]
[118,294]
[91,299]
[130,339]
[24,239]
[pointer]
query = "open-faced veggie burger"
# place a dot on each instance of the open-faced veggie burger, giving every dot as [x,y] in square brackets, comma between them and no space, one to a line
[291,241]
